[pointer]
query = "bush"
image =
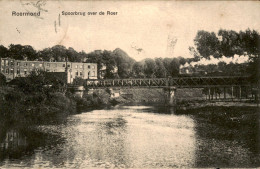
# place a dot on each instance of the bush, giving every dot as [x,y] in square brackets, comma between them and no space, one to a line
[61,102]
[2,79]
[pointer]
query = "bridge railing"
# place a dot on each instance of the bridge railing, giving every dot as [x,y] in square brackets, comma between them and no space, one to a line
[178,82]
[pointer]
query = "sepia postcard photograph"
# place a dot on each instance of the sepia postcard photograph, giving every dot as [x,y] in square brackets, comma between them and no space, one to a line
[129,84]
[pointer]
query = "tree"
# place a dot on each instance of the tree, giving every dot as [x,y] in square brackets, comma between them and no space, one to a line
[110,63]
[207,44]
[73,56]
[39,81]
[3,51]
[2,79]
[124,63]
[138,70]
[150,68]
[175,67]
[230,43]
[20,52]
[167,65]
[59,53]
[182,60]
[160,69]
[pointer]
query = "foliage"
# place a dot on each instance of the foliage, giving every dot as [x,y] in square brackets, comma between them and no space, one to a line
[20,52]
[34,99]
[228,43]
[2,79]
[150,68]
[160,68]
[123,62]
[175,67]
[39,81]
[138,70]
[3,51]
[118,64]
[207,44]
[79,81]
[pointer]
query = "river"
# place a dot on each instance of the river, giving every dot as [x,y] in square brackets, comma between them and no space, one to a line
[131,137]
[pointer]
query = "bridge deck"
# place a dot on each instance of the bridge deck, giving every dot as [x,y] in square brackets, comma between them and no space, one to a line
[180,82]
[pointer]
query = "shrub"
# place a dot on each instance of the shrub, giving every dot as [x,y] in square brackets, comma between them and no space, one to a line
[2,79]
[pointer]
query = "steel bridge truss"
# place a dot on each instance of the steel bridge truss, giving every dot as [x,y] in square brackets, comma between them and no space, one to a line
[180,82]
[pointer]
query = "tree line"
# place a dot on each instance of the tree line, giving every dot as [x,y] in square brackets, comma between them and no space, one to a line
[225,43]
[118,63]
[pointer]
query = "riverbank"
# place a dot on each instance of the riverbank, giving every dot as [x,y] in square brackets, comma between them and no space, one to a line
[33,105]
[185,98]
[188,104]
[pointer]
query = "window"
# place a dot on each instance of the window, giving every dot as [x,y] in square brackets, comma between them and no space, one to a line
[18,63]
[48,64]
[33,65]
[3,62]
[7,71]
[93,73]
[12,63]
[47,70]
[25,64]
[88,66]
[68,65]
[76,66]
[80,66]
[77,73]
[64,65]
[6,62]
[18,71]
[80,73]
[25,71]
[11,70]
[40,64]
[93,67]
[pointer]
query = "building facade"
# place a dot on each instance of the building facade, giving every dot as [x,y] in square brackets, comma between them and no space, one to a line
[12,68]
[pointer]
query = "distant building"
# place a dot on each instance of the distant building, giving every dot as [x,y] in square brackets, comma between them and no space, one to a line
[12,68]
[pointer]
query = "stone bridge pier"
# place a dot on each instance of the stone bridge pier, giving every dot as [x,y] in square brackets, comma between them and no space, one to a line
[170,96]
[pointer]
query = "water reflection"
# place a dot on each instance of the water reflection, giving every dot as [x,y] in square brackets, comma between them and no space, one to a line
[12,143]
[135,137]
[227,142]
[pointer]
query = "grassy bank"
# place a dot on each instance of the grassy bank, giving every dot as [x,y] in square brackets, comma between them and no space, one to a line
[185,98]
[37,107]
[39,98]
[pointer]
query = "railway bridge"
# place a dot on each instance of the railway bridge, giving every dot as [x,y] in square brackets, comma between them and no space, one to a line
[169,85]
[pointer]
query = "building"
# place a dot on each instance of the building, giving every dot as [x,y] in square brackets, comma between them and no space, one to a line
[12,68]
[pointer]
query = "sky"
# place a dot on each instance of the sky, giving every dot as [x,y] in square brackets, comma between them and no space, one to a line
[149,26]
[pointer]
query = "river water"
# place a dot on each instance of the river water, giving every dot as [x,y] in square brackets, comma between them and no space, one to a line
[130,137]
